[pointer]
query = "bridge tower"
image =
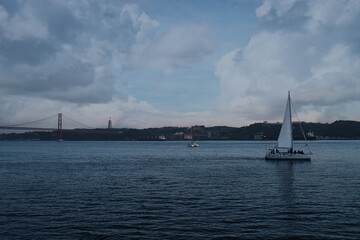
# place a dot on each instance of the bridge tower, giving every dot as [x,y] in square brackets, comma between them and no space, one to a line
[60,126]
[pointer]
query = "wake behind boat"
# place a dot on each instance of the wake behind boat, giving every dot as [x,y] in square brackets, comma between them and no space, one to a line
[285,144]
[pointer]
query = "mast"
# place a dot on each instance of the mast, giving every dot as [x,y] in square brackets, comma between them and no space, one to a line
[291,128]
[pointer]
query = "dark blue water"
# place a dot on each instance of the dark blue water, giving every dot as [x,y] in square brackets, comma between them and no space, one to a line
[164,190]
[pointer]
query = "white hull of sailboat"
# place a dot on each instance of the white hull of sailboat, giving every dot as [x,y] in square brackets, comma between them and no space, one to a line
[288,156]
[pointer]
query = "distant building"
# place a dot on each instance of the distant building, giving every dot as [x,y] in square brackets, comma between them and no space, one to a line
[177,136]
[258,136]
[109,123]
[310,134]
[197,132]
[188,136]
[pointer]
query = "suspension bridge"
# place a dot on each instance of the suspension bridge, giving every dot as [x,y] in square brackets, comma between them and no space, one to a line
[27,125]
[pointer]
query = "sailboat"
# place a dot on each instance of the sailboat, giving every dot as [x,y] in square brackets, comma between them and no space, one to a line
[192,144]
[285,144]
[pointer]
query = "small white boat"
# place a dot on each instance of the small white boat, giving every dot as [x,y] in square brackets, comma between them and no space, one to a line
[285,145]
[193,144]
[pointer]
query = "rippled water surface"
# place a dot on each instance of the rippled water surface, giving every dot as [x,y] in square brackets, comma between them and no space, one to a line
[164,190]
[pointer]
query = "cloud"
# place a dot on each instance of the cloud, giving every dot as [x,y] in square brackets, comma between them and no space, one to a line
[23,24]
[71,50]
[128,112]
[69,56]
[125,113]
[307,47]
[180,46]
[39,57]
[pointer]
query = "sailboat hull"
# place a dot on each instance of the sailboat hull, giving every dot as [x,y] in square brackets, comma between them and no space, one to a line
[288,156]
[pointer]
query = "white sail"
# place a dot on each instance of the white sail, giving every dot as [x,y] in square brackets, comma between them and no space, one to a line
[285,138]
[285,141]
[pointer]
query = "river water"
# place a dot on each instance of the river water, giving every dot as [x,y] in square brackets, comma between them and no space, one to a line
[165,190]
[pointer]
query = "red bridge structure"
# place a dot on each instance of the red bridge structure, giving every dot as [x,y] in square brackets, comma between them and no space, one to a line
[59,129]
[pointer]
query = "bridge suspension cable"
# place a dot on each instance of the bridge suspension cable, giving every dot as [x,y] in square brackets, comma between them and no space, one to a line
[22,126]
[72,120]
[36,121]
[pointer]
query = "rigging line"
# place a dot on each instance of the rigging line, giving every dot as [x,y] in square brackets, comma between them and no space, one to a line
[84,125]
[301,127]
[43,119]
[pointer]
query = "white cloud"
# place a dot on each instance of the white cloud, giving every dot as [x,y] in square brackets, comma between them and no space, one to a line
[22,25]
[68,50]
[319,64]
[180,46]
[280,7]
[333,13]
[71,55]
[71,50]
[68,56]
[125,113]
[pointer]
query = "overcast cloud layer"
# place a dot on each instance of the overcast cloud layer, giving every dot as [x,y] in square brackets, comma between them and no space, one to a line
[311,48]
[72,56]
[69,51]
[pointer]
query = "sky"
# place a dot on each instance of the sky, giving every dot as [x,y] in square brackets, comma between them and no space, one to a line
[155,63]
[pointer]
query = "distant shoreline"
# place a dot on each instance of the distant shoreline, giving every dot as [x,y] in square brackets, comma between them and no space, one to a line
[338,130]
